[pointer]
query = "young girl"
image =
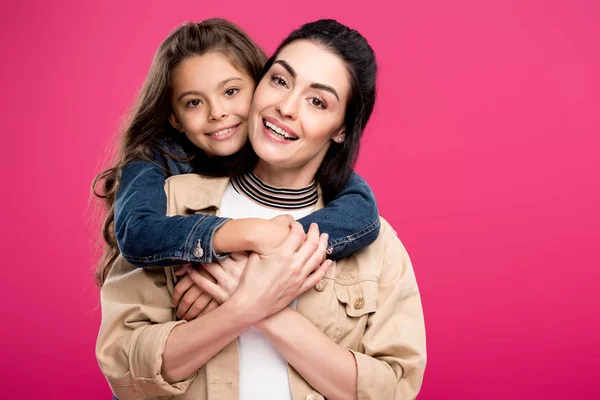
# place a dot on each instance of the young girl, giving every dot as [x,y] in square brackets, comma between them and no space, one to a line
[191,116]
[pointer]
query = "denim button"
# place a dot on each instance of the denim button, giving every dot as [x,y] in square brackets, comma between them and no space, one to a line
[198,252]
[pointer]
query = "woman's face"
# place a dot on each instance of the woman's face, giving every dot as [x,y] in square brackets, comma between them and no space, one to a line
[299,107]
[211,101]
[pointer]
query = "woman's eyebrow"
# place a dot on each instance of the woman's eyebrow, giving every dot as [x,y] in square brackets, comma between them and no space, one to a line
[326,88]
[319,86]
[287,67]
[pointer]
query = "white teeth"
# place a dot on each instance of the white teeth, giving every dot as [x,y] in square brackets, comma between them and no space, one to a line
[279,131]
[222,132]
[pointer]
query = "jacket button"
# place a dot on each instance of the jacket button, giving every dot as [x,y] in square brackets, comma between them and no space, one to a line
[312,397]
[198,252]
[320,286]
[359,303]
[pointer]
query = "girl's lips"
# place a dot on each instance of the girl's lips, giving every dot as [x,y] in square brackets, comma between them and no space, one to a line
[224,136]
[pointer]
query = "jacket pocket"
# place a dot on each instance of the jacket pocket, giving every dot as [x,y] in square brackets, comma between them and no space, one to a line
[359,295]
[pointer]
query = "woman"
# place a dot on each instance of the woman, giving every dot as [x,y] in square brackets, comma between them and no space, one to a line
[352,330]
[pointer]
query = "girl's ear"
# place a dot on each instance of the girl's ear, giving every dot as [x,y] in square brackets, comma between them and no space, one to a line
[175,122]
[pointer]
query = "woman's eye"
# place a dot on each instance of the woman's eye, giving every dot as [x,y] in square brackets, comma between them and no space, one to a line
[279,81]
[193,103]
[317,102]
[231,92]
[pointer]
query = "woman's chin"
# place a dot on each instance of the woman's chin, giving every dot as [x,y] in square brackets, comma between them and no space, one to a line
[272,157]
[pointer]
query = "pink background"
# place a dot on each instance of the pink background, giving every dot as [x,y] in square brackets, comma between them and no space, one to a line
[482,152]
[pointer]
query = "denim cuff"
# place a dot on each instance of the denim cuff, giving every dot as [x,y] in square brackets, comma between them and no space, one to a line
[344,246]
[200,249]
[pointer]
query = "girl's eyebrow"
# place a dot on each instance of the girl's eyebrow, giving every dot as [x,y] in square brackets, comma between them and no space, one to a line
[315,85]
[182,95]
[226,81]
[220,85]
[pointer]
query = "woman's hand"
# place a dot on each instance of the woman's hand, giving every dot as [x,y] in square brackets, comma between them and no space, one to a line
[268,234]
[224,279]
[272,280]
[189,299]
[202,290]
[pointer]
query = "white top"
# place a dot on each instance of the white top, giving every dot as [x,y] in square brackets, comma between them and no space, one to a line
[263,371]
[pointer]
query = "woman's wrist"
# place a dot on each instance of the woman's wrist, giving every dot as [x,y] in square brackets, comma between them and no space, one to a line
[266,325]
[247,307]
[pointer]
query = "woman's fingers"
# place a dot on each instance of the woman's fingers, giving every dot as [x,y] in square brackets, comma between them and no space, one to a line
[216,271]
[294,239]
[316,276]
[309,246]
[180,289]
[182,270]
[187,300]
[198,306]
[316,258]
[208,286]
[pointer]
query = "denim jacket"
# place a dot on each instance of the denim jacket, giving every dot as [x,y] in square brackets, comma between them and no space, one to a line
[147,237]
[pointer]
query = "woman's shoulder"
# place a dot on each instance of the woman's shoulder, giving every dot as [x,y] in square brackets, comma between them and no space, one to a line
[384,260]
[193,192]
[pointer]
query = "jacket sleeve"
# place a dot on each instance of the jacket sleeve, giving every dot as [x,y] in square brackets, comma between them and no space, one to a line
[351,219]
[145,235]
[392,354]
[137,319]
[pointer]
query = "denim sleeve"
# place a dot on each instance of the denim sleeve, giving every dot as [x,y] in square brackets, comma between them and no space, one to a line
[145,235]
[351,219]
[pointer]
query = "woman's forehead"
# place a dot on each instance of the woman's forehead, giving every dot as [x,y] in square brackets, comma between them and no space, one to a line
[313,63]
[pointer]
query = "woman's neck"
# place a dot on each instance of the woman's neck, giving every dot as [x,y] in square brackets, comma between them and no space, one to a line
[292,178]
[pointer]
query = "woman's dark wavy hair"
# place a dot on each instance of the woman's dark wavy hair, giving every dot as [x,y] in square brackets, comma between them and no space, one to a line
[149,127]
[359,58]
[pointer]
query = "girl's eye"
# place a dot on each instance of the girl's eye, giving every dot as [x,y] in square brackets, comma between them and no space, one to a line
[231,92]
[318,102]
[278,80]
[193,103]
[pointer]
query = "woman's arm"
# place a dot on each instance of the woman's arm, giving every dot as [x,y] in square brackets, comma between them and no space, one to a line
[392,356]
[143,352]
[322,363]
[269,284]
[351,219]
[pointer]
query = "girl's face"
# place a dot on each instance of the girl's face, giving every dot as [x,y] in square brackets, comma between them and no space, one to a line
[211,101]
[299,107]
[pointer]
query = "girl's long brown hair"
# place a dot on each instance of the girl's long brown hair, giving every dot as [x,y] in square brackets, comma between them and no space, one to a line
[149,123]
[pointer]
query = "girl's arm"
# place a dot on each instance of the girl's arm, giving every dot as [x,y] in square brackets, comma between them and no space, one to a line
[351,219]
[148,238]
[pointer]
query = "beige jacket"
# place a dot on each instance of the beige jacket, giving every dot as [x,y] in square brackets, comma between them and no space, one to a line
[369,303]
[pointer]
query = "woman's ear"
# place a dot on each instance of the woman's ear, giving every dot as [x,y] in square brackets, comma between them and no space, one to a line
[340,136]
[175,122]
